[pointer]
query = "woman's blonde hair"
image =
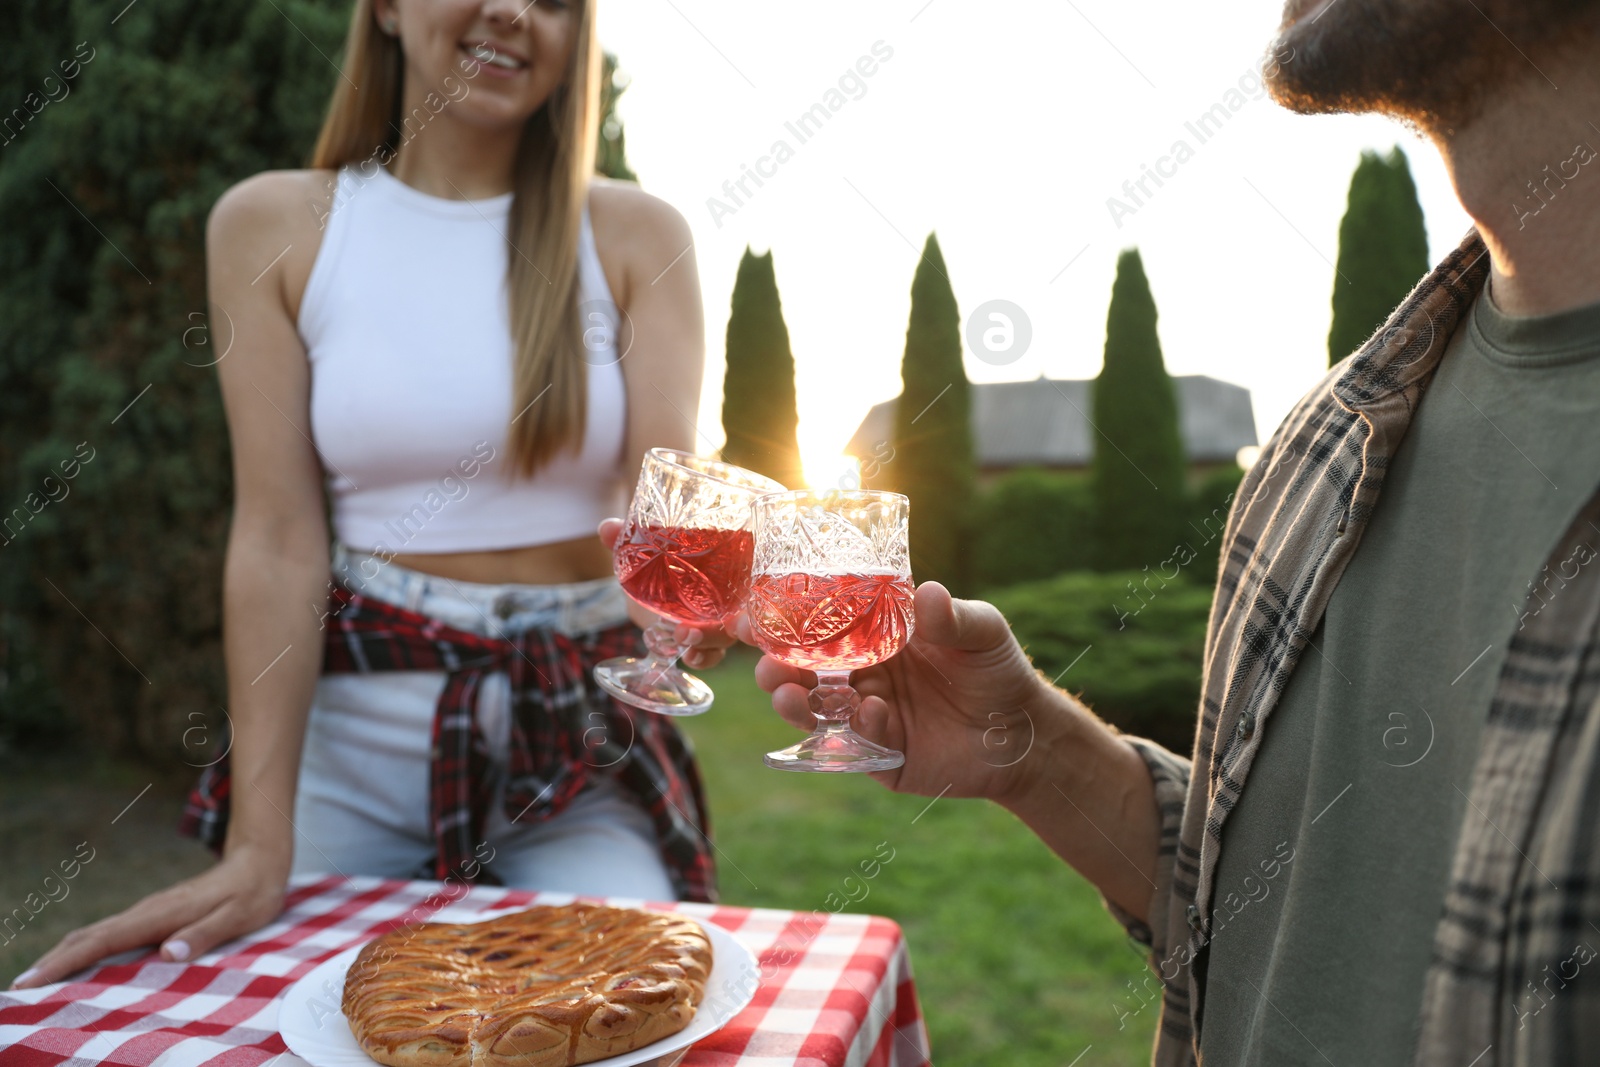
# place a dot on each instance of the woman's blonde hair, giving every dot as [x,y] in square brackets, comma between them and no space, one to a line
[554,162]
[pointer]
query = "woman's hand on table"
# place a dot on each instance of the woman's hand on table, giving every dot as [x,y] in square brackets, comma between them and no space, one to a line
[961,700]
[709,645]
[242,893]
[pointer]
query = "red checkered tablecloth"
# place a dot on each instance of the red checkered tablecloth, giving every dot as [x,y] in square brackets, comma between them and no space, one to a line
[834,989]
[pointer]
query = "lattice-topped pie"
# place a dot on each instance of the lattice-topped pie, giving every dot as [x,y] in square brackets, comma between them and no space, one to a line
[546,987]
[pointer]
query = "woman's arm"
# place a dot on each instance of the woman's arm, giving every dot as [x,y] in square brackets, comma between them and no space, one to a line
[274,581]
[648,255]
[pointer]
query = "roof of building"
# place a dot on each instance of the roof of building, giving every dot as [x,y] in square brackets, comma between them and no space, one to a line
[1046,422]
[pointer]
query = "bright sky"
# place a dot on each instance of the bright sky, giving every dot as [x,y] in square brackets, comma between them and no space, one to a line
[1005,128]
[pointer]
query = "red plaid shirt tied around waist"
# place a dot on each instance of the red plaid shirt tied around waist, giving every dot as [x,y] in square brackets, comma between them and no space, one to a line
[564,731]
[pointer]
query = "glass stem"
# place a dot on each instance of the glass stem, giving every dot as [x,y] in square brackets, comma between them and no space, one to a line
[660,637]
[834,701]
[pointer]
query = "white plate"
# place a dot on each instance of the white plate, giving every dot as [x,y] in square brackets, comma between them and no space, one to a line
[316,1030]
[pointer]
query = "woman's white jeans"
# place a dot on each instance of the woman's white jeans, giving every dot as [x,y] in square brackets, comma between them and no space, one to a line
[362,802]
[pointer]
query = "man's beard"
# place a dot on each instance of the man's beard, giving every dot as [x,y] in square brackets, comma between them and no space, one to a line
[1431,63]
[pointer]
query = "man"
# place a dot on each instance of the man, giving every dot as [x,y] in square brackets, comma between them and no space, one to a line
[1383,850]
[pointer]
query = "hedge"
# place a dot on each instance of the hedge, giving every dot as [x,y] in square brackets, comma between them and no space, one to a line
[1127,642]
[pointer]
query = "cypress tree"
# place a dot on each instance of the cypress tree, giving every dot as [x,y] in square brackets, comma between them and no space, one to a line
[612,145]
[1138,470]
[1383,250]
[933,462]
[758,402]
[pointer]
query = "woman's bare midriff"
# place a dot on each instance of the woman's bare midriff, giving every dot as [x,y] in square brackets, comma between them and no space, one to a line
[578,560]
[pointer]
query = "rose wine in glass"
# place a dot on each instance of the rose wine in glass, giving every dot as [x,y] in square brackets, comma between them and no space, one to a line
[692,574]
[830,592]
[817,621]
[685,554]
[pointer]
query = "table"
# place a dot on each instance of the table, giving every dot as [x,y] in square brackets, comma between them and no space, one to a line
[835,989]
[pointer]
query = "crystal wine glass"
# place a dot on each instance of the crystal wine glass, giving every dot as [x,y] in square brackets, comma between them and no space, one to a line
[684,554]
[830,591]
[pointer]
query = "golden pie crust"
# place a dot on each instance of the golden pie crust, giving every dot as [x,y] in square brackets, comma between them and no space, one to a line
[551,986]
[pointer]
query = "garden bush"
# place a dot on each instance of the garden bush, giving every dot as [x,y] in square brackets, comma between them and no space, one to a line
[1032,524]
[114,463]
[1132,640]
[1206,519]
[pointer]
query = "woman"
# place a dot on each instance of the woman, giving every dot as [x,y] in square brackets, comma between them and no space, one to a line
[432,322]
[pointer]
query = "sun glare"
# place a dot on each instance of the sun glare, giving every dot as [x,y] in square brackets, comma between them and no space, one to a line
[830,470]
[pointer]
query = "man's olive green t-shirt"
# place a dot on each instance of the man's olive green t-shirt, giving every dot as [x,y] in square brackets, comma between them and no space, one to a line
[1363,773]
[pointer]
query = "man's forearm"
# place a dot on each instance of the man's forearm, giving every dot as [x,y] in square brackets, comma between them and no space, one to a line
[1089,796]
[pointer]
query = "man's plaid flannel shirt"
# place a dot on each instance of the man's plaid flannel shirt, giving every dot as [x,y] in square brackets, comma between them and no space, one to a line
[1508,982]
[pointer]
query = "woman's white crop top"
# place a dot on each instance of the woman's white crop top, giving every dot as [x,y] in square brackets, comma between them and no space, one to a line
[405,320]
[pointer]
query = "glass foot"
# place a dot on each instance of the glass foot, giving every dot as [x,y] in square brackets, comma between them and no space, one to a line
[663,689]
[835,750]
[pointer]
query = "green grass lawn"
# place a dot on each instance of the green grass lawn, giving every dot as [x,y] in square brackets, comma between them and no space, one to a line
[1016,960]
